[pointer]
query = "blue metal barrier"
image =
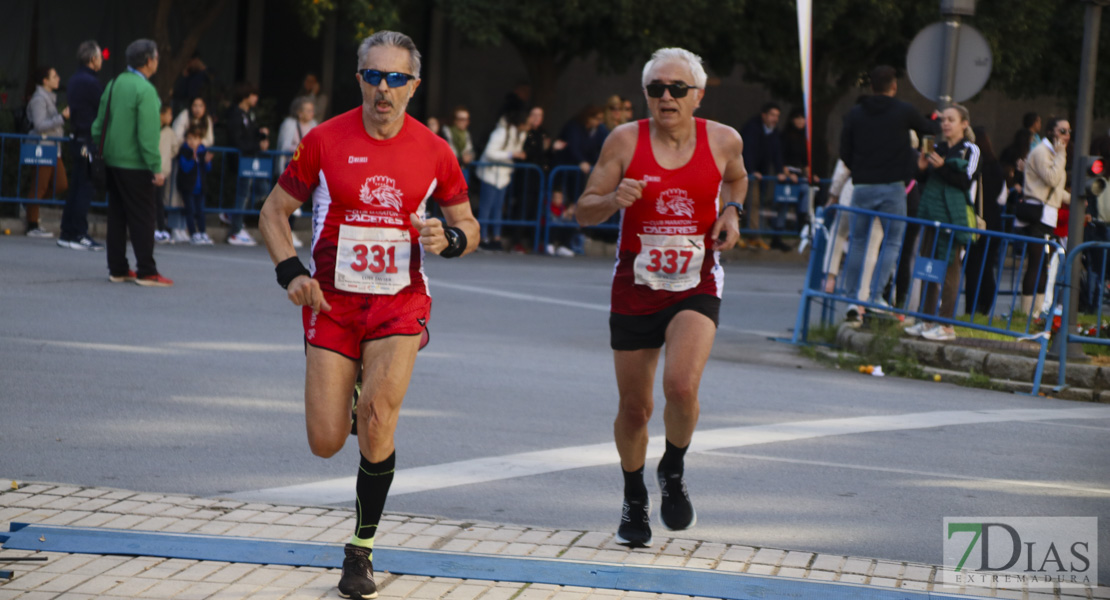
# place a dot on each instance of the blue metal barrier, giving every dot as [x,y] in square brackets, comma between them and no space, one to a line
[1096,284]
[569,181]
[523,199]
[1016,245]
[32,152]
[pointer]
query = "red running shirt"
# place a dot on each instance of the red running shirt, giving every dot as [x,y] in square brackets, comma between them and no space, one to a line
[363,191]
[665,254]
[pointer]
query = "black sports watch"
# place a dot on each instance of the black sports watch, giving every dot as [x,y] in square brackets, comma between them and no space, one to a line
[736,205]
[456,242]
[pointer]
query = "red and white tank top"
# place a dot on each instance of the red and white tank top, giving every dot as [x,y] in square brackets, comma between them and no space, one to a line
[363,191]
[665,254]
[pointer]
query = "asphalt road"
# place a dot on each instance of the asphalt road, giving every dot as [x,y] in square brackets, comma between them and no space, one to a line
[198,389]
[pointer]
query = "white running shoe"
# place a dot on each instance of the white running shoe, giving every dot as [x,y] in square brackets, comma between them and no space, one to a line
[162,237]
[938,333]
[180,236]
[916,329]
[197,239]
[241,239]
[207,240]
[39,232]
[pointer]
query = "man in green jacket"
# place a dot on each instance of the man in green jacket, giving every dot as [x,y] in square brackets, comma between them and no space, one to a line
[129,128]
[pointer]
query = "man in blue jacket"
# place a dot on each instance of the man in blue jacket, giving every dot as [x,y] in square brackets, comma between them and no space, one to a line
[875,146]
[83,95]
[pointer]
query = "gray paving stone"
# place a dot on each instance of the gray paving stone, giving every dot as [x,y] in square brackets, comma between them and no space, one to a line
[768,556]
[827,562]
[860,566]
[199,590]
[432,590]
[797,560]
[761,569]
[891,570]
[853,578]
[794,572]
[165,589]
[97,585]
[63,582]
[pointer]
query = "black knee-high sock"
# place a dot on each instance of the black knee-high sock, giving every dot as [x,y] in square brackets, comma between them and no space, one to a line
[634,488]
[371,488]
[672,461]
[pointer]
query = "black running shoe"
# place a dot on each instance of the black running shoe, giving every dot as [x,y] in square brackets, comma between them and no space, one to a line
[358,574]
[635,528]
[676,511]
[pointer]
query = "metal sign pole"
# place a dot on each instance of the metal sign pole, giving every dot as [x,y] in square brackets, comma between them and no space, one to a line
[1081,141]
[951,10]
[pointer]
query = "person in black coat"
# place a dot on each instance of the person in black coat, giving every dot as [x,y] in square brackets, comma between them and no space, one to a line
[980,271]
[83,95]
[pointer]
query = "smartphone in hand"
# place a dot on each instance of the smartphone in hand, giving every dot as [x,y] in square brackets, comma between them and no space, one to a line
[927,143]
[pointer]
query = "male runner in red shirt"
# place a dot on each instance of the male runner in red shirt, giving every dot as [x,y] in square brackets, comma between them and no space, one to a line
[369,173]
[679,184]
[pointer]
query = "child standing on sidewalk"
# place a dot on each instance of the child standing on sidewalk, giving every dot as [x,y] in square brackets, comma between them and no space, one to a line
[193,161]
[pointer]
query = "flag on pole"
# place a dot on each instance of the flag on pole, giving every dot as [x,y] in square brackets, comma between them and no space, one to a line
[805,44]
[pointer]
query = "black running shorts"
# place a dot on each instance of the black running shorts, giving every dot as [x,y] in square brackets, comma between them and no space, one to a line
[638,332]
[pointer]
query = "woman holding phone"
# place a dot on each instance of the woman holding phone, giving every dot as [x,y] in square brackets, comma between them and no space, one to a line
[1045,180]
[950,169]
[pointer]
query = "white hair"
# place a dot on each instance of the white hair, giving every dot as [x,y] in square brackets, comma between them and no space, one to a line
[691,60]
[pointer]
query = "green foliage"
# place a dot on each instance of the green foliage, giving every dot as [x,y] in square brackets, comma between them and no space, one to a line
[367,16]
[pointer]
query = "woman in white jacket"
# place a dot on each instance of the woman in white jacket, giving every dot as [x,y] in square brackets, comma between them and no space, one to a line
[505,143]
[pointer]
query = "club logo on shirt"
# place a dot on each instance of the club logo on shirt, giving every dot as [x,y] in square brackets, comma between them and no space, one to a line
[381,191]
[674,202]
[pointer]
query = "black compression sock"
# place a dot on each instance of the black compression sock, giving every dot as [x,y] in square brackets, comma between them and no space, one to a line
[371,488]
[672,461]
[634,488]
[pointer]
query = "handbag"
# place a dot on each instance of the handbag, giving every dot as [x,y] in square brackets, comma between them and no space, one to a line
[98,170]
[1029,212]
[980,222]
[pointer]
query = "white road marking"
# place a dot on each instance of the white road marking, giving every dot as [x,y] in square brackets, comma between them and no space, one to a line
[524,464]
[987,480]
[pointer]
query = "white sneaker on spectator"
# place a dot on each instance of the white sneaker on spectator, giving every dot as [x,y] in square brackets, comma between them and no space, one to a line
[297,213]
[938,333]
[162,237]
[226,220]
[197,239]
[550,249]
[297,243]
[916,329]
[884,306]
[39,232]
[207,240]
[241,239]
[180,236]
[564,251]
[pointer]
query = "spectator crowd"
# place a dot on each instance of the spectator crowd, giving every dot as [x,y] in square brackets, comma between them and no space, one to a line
[893,159]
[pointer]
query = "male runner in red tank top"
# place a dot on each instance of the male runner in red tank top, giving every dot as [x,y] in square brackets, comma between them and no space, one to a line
[679,184]
[369,173]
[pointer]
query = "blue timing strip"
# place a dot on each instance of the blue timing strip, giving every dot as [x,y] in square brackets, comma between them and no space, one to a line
[429,563]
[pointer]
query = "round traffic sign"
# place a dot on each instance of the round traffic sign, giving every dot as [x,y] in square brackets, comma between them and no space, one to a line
[925,62]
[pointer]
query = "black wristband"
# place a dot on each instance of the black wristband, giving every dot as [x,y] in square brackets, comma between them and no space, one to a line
[290,269]
[739,208]
[456,242]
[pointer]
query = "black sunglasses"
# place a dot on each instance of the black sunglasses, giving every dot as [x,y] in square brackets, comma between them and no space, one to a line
[394,79]
[677,90]
[1063,131]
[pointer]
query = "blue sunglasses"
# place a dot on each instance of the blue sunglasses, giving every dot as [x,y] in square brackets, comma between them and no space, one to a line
[394,80]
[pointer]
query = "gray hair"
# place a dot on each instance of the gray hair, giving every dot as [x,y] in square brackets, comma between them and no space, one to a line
[298,104]
[691,60]
[140,52]
[87,52]
[391,38]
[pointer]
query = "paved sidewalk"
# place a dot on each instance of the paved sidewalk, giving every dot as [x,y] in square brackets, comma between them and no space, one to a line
[80,576]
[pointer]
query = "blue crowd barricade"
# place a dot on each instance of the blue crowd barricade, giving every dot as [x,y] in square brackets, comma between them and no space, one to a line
[521,204]
[24,160]
[1094,295]
[928,266]
[567,182]
[784,196]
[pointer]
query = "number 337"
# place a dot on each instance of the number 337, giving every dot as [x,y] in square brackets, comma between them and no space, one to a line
[380,258]
[667,261]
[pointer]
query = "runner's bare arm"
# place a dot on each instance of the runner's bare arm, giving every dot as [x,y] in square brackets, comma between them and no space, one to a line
[273,223]
[607,191]
[728,147]
[431,230]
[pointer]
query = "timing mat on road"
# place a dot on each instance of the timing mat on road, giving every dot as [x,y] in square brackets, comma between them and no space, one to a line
[431,563]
